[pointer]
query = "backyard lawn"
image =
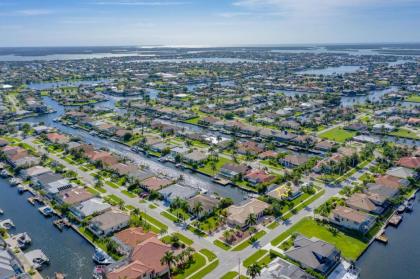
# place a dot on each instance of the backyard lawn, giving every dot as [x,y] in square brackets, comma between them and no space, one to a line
[199,262]
[413,98]
[207,169]
[337,134]
[350,247]
[404,133]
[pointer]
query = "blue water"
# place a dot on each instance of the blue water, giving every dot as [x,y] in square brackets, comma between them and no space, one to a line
[68,252]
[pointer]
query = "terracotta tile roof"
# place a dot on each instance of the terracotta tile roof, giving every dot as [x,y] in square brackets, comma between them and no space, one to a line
[134,270]
[133,236]
[156,183]
[409,162]
[150,252]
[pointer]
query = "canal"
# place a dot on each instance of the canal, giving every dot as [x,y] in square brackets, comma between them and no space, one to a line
[68,252]
[190,178]
[400,258]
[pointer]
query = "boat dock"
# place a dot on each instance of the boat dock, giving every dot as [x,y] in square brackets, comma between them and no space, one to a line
[33,200]
[381,237]
[395,220]
[61,223]
[37,258]
[46,210]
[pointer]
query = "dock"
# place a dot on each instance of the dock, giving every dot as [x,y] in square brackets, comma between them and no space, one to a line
[395,220]
[381,237]
[37,259]
[61,223]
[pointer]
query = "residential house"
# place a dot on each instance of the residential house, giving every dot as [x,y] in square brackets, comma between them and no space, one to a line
[155,183]
[73,196]
[57,138]
[269,154]
[197,156]
[108,222]
[368,202]
[34,172]
[409,162]
[292,161]
[279,268]
[314,254]
[352,219]
[249,147]
[131,237]
[208,203]
[52,183]
[89,207]
[238,214]
[257,176]
[281,192]
[233,171]
[401,172]
[178,191]
[392,181]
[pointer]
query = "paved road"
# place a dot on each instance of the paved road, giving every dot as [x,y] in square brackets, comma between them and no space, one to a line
[228,260]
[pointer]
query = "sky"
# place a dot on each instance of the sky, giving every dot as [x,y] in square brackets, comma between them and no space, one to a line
[206,22]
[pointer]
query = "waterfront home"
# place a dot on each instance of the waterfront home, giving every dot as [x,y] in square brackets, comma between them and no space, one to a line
[89,208]
[155,183]
[34,172]
[279,268]
[208,204]
[292,161]
[269,154]
[357,127]
[383,127]
[73,196]
[314,254]
[233,171]
[409,162]
[10,266]
[197,156]
[108,222]
[257,176]
[325,145]
[381,192]
[178,191]
[249,147]
[352,219]
[19,157]
[52,183]
[105,157]
[129,238]
[58,138]
[368,202]
[392,181]
[285,191]
[401,172]
[238,214]
[144,261]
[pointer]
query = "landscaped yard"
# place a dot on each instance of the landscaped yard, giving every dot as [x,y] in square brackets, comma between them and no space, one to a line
[198,262]
[338,134]
[221,244]
[207,169]
[350,247]
[404,133]
[413,98]
[209,254]
[254,257]
[248,242]
[202,273]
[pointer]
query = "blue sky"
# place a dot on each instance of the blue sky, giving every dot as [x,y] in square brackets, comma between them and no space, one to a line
[206,23]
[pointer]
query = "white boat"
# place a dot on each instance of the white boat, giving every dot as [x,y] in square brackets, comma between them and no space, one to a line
[102,258]
[7,224]
[4,173]
[37,258]
[46,210]
[23,240]
[401,208]
[15,181]
[1,211]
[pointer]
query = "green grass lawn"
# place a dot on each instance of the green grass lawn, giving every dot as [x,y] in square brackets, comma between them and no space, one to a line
[113,199]
[169,216]
[198,262]
[128,194]
[304,204]
[350,247]
[254,257]
[209,254]
[413,98]
[208,170]
[203,272]
[404,133]
[222,245]
[230,275]
[112,184]
[338,134]
[248,242]
[154,221]
[184,239]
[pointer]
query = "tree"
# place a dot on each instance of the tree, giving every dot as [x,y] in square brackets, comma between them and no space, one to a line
[251,220]
[197,209]
[168,259]
[254,270]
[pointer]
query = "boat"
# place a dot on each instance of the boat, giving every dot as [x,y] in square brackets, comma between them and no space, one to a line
[21,188]
[4,174]
[23,240]
[46,210]
[7,224]
[100,257]
[401,208]
[15,181]
[59,275]
[410,206]
[38,259]
[99,272]
[1,211]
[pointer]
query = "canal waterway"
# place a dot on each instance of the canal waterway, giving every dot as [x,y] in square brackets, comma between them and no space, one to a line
[400,258]
[68,252]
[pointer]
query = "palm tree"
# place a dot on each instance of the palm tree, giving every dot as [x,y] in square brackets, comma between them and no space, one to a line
[168,259]
[197,209]
[254,270]
[251,220]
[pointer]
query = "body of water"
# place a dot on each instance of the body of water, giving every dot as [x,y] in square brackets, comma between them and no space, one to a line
[331,70]
[51,57]
[400,258]
[52,85]
[68,252]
